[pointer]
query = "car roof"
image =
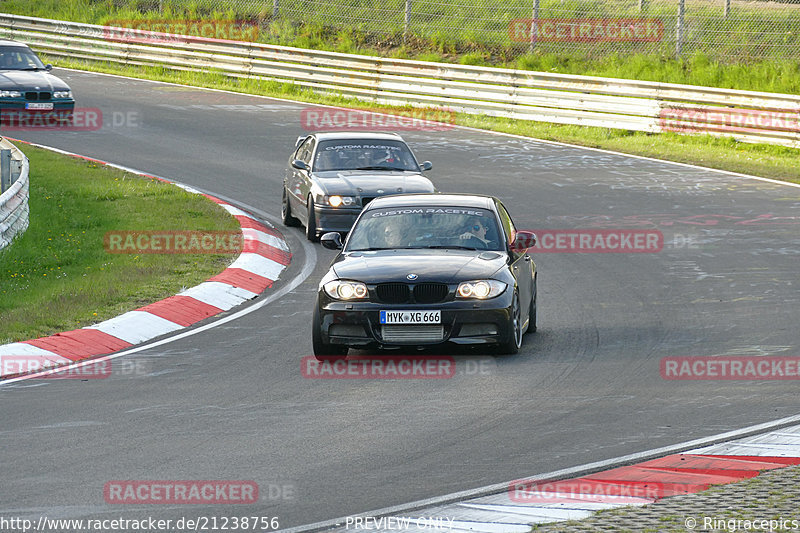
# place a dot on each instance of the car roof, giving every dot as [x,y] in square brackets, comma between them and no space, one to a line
[332,135]
[8,42]
[437,199]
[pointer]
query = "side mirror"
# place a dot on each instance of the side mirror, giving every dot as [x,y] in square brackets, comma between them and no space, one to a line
[48,67]
[331,241]
[299,164]
[523,240]
[426,165]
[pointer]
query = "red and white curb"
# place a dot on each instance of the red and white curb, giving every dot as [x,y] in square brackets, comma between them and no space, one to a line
[528,502]
[264,256]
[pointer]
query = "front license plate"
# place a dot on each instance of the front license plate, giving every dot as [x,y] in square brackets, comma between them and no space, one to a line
[411,317]
[39,106]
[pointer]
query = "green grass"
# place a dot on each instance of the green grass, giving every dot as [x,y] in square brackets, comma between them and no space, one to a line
[768,161]
[755,48]
[58,276]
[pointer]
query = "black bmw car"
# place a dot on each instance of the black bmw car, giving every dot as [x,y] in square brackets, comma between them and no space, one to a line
[427,269]
[332,176]
[27,86]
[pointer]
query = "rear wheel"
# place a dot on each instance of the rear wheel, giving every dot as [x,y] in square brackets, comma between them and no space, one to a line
[511,346]
[311,225]
[286,211]
[324,351]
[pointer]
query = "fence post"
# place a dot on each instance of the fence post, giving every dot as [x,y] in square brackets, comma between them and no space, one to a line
[275,9]
[5,170]
[642,5]
[679,28]
[727,8]
[534,25]
[406,21]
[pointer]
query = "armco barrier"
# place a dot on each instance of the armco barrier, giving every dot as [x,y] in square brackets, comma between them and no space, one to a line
[557,98]
[14,201]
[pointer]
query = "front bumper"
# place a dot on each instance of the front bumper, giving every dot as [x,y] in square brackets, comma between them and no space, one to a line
[339,219]
[357,324]
[14,115]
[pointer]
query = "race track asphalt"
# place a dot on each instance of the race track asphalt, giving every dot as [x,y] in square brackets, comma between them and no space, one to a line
[230,403]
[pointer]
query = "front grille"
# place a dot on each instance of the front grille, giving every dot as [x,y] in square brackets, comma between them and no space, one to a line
[392,293]
[34,96]
[430,293]
[400,293]
[413,333]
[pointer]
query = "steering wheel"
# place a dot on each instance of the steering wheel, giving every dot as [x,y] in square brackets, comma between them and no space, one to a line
[473,240]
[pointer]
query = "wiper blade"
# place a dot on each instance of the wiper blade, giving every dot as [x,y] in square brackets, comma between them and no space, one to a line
[30,68]
[384,248]
[378,167]
[453,246]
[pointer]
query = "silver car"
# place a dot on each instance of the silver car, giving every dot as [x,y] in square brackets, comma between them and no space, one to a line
[331,177]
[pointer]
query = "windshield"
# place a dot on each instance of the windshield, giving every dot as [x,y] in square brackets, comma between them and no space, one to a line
[356,154]
[19,58]
[425,227]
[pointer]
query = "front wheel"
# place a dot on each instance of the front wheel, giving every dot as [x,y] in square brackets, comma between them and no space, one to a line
[512,345]
[322,350]
[311,224]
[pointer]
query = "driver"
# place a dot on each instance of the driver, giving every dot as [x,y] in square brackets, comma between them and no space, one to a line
[383,158]
[477,230]
[396,235]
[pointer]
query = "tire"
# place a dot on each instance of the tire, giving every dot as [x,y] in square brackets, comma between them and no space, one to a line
[322,350]
[532,312]
[512,345]
[286,211]
[311,225]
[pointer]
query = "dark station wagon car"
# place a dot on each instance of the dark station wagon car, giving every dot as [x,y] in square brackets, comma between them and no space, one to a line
[27,86]
[332,176]
[427,269]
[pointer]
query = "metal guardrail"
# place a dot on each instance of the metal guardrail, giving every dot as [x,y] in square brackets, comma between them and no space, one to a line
[558,98]
[14,200]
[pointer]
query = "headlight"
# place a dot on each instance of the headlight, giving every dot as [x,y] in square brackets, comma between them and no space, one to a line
[480,289]
[346,290]
[10,94]
[336,201]
[62,94]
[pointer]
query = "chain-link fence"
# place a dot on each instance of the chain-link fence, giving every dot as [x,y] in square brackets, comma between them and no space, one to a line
[721,29]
